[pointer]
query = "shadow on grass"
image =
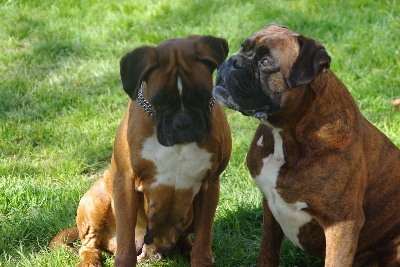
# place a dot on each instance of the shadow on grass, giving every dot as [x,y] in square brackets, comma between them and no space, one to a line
[237,240]
[236,236]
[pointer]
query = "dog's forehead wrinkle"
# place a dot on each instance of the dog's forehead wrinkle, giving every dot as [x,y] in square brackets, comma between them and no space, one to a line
[175,68]
[167,60]
[173,59]
[182,62]
[271,45]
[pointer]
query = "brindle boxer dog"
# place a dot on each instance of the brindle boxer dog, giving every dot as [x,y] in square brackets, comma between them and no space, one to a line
[169,151]
[330,179]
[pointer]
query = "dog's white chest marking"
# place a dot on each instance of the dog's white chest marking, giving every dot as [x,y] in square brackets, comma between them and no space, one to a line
[180,166]
[260,141]
[290,216]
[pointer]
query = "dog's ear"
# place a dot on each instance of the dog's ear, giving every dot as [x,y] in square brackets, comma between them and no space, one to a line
[212,49]
[134,68]
[311,61]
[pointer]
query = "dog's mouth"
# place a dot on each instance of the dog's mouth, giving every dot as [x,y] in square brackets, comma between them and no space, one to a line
[182,127]
[222,96]
[259,114]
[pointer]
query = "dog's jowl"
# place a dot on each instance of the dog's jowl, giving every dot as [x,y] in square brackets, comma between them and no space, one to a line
[330,179]
[169,151]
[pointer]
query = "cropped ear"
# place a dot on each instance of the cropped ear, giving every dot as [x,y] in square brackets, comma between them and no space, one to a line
[311,61]
[212,49]
[134,68]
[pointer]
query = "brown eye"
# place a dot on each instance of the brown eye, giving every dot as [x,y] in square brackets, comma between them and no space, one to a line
[266,62]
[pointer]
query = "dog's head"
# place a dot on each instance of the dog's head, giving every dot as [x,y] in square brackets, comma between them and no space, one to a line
[177,84]
[271,63]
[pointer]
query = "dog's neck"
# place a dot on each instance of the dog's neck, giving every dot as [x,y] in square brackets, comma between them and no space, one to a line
[146,106]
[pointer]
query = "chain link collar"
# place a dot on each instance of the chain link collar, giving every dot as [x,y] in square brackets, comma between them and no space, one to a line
[149,109]
[144,103]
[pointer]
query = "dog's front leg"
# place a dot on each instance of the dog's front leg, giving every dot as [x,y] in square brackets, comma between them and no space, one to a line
[204,205]
[126,201]
[341,242]
[272,237]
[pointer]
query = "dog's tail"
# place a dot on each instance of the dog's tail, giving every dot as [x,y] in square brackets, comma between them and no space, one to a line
[65,238]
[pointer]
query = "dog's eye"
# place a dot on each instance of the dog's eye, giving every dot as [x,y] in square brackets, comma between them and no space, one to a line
[265,62]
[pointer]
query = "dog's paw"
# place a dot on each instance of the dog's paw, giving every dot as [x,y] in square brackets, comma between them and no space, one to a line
[89,264]
[149,253]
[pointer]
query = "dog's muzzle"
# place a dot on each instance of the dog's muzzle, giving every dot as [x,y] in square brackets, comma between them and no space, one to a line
[223,95]
[181,128]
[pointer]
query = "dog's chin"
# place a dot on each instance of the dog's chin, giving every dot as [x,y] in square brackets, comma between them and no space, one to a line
[222,96]
[171,140]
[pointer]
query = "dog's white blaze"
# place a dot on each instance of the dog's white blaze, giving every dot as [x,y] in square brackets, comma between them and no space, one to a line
[260,141]
[180,89]
[179,85]
[289,215]
[181,166]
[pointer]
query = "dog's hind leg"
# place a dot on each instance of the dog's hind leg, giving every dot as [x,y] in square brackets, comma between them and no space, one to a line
[96,223]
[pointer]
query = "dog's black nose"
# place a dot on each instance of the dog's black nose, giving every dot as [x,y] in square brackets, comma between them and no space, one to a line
[237,62]
[182,121]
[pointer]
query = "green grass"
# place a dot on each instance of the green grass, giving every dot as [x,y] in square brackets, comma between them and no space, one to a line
[61,102]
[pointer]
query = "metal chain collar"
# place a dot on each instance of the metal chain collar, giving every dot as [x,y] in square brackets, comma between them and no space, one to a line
[143,102]
[149,109]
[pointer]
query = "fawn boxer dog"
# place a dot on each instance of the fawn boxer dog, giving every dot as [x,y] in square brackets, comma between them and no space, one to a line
[169,151]
[330,179]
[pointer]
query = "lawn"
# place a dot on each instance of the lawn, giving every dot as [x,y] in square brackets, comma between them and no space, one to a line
[61,101]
